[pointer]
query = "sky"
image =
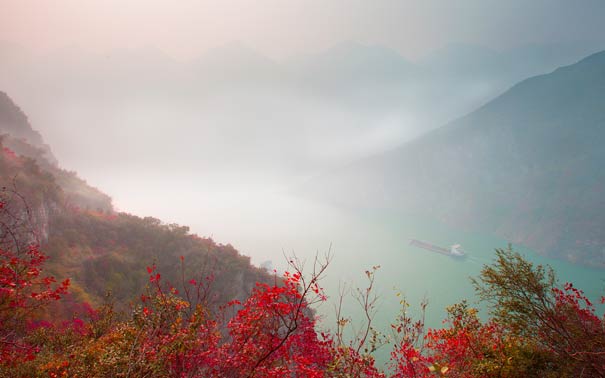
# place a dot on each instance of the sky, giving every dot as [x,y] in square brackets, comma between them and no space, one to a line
[282,28]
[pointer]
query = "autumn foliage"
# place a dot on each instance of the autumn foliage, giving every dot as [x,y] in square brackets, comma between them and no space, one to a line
[24,288]
[176,329]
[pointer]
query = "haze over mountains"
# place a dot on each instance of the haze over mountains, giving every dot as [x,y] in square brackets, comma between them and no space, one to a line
[233,122]
[233,110]
[528,166]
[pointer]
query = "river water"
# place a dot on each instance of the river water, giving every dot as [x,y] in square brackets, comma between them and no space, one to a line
[268,225]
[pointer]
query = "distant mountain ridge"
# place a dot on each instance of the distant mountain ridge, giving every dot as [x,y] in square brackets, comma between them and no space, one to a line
[528,166]
[355,91]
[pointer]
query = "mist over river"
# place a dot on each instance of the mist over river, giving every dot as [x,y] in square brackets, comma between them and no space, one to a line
[270,222]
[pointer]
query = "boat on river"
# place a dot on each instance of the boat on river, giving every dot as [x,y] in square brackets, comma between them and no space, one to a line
[454,251]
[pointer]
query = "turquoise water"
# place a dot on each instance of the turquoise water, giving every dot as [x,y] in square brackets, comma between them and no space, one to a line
[443,280]
[418,273]
[267,228]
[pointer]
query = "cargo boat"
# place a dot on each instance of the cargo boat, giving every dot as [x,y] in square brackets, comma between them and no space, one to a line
[454,251]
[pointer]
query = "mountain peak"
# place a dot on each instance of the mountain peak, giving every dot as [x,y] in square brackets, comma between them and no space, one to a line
[596,60]
[14,121]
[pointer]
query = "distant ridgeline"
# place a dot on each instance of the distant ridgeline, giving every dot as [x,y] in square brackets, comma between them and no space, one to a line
[528,166]
[98,249]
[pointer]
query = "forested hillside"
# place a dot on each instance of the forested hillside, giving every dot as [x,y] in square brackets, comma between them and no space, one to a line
[99,249]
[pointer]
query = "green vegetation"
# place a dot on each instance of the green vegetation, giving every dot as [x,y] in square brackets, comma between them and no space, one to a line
[102,250]
[537,329]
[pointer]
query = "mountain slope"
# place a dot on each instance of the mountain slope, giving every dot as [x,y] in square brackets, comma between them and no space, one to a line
[14,123]
[17,134]
[98,249]
[528,166]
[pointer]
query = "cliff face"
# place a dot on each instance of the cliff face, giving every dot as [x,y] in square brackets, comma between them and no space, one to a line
[528,166]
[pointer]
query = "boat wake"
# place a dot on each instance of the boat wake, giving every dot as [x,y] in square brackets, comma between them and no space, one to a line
[454,251]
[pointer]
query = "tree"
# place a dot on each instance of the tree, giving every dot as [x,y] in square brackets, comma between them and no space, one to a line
[559,325]
[24,289]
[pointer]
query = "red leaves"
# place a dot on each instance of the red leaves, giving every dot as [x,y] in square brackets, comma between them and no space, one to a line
[20,279]
[22,292]
[9,154]
[574,330]
[273,333]
[408,362]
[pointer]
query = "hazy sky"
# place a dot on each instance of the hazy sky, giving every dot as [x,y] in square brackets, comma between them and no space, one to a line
[279,28]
